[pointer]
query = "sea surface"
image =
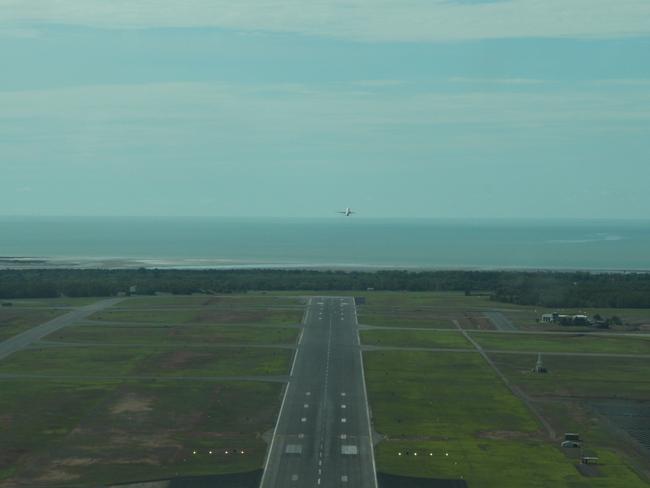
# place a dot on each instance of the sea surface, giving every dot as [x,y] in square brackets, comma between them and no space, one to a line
[345,242]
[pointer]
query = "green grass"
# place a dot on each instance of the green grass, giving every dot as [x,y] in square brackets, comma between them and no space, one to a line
[596,377]
[176,335]
[428,394]
[115,361]
[35,414]
[453,407]
[415,319]
[13,321]
[415,338]
[435,300]
[500,462]
[90,434]
[563,343]
[205,315]
[172,301]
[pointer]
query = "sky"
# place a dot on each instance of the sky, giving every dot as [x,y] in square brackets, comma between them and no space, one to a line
[417,108]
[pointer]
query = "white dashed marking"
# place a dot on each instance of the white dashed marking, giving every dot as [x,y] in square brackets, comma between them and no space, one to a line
[344,406]
[349,450]
[344,420]
[304,419]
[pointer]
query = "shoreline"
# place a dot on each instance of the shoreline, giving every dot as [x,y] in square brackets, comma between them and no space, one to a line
[17,263]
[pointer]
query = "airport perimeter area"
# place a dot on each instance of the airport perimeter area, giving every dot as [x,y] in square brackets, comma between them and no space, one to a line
[306,389]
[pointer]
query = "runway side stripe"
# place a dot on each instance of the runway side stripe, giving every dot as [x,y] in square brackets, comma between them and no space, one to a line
[275,431]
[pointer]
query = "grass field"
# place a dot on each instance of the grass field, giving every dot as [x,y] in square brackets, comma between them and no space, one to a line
[386,308]
[440,301]
[406,319]
[426,310]
[176,335]
[79,416]
[454,411]
[415,338]
[73,428]
[418,394]
[502,462]
[250,300]
[563,343]
[205,315]
[116,361]
[597,377]
[89,433]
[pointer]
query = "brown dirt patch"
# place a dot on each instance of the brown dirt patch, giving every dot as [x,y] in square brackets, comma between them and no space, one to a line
[228,316]
[57,475]
[502,435]
[146,484]
[181,359]
[76,462]
[132,403]
[476,322]
[142,440]
[6,318]
[9,457]
[148,460]
[212,301]
[5,421]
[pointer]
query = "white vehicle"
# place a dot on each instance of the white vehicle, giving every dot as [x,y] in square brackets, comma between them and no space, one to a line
[347,212]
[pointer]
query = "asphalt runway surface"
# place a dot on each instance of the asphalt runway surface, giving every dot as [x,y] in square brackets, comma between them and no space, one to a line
[322,437]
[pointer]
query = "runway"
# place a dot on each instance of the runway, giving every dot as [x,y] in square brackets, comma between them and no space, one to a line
[322,437]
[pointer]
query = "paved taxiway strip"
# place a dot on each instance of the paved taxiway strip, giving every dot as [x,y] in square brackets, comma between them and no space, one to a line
[322,437]
[24,339]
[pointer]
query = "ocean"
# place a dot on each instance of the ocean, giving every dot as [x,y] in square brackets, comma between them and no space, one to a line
[345,242]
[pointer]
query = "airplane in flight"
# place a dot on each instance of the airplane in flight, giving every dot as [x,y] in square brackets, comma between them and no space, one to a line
[347,212]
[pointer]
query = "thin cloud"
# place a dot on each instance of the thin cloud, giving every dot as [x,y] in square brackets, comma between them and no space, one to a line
[497,81]
[19,33]
[152,114]
[361,20]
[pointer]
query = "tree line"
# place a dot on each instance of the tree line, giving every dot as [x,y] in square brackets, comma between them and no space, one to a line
[549,289]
